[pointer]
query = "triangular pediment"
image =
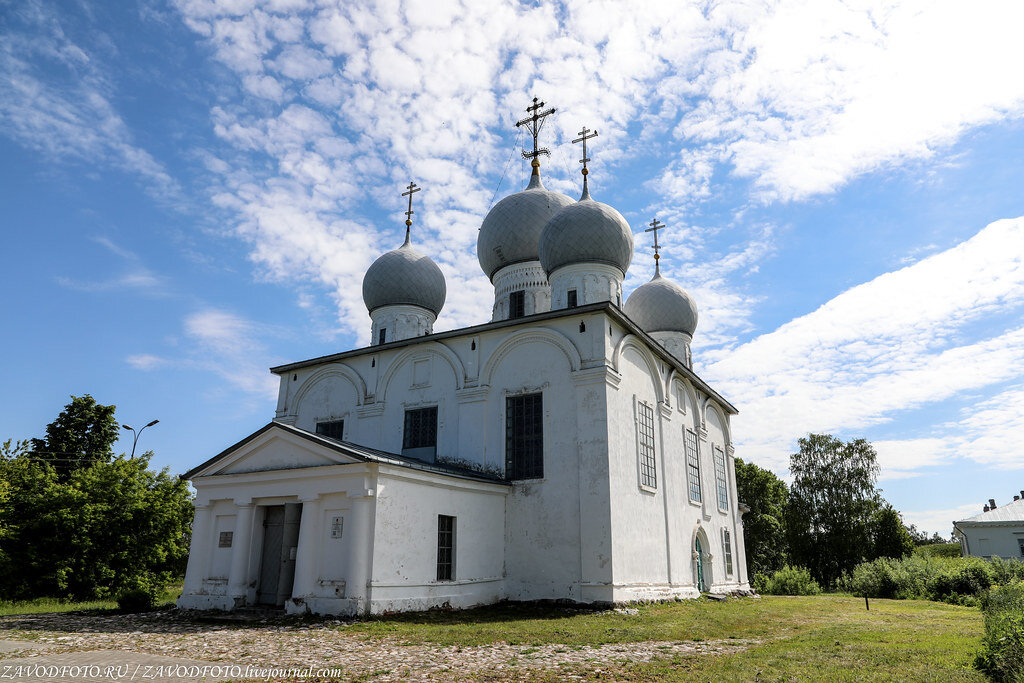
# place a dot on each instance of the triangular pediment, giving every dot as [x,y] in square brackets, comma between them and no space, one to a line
[275,447]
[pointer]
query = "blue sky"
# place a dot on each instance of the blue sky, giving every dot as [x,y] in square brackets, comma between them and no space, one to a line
[192,190]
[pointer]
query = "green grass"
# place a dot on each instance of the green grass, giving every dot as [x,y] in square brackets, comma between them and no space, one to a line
[50,605]
[822,637]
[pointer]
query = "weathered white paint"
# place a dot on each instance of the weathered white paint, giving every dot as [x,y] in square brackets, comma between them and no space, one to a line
[587,531]
[527,277]
[400,322]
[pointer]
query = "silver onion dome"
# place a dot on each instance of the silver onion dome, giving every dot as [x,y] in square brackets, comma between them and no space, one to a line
[511,230]
[662,306]
[404,276]
[586,232]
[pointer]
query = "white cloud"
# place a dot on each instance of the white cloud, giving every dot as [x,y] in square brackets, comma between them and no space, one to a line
[146,361]
[230,346]
[70,118]
[895,343]
[798,96]
[940,520]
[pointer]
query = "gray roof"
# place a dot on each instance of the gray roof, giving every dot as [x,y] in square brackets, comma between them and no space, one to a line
[511,230]
[404,276]
[586,232]
[1011,512]
[361,453]
[662,306]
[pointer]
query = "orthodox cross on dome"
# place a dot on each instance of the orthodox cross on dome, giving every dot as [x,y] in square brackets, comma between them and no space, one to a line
[408,214]
[585,135]
[656,225]
[534,122]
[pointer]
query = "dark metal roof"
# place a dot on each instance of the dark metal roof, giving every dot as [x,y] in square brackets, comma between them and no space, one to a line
[606,306]
[361,453]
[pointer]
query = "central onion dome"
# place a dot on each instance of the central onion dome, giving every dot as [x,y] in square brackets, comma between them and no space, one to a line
[404,276]
[511,230]
[662,306]
[586,232]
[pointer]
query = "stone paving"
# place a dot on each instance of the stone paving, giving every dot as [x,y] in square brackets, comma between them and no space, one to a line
[169,637]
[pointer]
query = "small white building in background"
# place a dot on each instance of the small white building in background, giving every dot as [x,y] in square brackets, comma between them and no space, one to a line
[565,450]
[996,532]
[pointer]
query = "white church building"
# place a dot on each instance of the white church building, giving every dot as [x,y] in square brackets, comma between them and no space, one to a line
[565,450]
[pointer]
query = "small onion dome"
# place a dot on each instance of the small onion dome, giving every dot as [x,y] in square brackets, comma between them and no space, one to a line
[511,230]
[586,232]
[404,276]
[662,306]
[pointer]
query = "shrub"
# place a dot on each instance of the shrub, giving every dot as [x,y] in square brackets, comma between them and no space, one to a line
[885,577]
[789,581]
[140,596]
[1002,654]
[970,576]
[939,550]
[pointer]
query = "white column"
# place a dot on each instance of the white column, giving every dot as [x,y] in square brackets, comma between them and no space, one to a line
[308,549]
[197,553]
[360,560]
[238,579]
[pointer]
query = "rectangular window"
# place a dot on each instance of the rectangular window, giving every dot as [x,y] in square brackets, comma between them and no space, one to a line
[720,479]
[1020,543]
[524,436]
[645,426]
[692,466]
[516,304]
[570,299]
[420,437]
[727,547]
[334,429]
[382,335]
[445,547]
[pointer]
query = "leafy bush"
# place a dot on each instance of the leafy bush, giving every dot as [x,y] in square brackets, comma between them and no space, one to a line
[970,578]
[939,550]
[140,597]
[1002,655]
[788,581]
[904,579]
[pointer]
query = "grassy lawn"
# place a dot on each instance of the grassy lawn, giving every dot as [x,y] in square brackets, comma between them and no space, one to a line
[49,605]
[822,638]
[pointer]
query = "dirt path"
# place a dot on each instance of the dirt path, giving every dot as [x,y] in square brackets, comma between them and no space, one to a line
[285,645]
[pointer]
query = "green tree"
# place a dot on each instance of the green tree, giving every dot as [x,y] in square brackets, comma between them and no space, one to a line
[889,538]
[82,434]
[91,531]
[763,531]
[830,505]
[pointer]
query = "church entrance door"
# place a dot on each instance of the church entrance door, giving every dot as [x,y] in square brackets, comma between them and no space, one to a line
[699,557]
[277,564]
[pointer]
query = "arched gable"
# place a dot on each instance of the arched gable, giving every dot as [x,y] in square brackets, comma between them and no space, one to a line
[630,341]
[432,348]
[693,417]
[723,421]
[541,335]
[333,370]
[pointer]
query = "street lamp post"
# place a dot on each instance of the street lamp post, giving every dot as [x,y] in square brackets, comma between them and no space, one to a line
[137,434]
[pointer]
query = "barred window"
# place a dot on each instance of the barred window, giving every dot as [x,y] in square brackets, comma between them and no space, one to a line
[517,304]
[524,436]
[645,425]
[445,548]
[727,546]
[382,335]
[420,437]
[331,428]
[692,466]
[720,479]
[571,299]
